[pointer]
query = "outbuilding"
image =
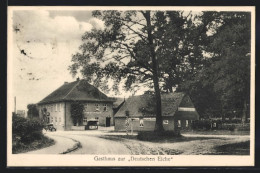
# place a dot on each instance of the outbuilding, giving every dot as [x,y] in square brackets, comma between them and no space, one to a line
[138,112]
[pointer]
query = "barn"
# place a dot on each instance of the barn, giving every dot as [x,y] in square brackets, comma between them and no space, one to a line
[138,112]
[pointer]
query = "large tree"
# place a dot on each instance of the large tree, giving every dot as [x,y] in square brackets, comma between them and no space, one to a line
[140,47]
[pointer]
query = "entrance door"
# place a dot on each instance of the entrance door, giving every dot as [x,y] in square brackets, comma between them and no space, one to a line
[108,121]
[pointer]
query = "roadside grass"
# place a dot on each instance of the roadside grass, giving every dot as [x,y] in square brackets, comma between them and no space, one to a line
[138,148]
[156,139]
[216,132]
[241,148]
[20,147]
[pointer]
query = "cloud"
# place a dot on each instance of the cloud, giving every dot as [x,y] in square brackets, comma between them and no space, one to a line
[96,23]
[41,51]
[38,25]
[79,15]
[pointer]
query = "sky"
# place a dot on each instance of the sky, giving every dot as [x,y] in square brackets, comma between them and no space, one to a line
[42,46]
[41,43]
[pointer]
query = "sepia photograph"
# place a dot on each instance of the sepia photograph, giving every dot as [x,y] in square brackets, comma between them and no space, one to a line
[131,86]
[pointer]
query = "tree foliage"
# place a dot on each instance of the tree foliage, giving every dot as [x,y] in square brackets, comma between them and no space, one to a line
[222,86]
[152,48]
[77,109]
[166,49]
[33,112]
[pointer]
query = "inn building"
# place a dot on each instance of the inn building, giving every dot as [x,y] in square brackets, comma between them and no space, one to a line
[97,105]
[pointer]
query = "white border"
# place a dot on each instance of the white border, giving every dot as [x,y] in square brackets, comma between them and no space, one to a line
[14,160]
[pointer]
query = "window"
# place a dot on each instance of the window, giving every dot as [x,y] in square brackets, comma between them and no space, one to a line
[165,122]
[85,120]
[97,107]
[97,119]
[51,119]
[179,123]
[56,107]
[51,108]
[60,120]
[141,122]
[56,120]
[105,107]
[60,106]
[85,107]
[187,123]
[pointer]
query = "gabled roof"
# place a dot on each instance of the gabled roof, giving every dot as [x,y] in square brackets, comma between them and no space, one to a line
[79,90]
[118,102]
[134,104]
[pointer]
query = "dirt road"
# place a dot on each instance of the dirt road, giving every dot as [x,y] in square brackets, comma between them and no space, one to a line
[95,145]
[100,143]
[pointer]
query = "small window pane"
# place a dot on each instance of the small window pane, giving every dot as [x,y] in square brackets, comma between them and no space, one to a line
[187,123]
[105,107]
[179,123]
[85,121]
[97,107]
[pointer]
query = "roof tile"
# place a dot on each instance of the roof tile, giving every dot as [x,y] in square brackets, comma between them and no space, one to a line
[135,104]
[79,90]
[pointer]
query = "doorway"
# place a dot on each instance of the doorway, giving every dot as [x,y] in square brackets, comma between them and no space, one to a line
[108,121]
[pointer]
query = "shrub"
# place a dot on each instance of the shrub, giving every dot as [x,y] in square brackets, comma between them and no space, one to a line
[201,124]
[26,130]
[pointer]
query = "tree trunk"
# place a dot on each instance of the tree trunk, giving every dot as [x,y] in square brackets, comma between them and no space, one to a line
[158,123]
[170,89]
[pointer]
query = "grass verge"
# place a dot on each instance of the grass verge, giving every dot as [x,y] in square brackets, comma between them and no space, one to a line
[155,139]
[242,148]
[43,142]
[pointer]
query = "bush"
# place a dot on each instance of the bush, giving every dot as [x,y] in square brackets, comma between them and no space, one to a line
[27,135]
[201,124]
[26,130]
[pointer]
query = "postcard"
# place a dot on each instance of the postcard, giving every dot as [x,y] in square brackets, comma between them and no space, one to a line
[131,86]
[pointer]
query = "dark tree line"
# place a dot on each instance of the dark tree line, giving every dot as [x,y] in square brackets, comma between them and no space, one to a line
[222,86]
